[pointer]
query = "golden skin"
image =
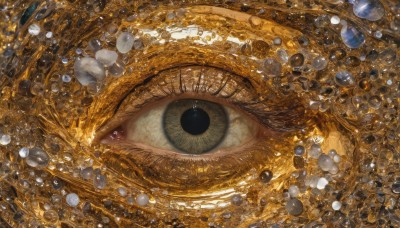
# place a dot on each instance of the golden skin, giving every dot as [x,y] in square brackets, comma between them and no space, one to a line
[68,120]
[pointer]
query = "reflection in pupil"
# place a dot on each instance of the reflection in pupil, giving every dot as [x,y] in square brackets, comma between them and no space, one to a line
[195,121]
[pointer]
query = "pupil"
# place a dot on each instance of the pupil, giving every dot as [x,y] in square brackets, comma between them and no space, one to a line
[195,121]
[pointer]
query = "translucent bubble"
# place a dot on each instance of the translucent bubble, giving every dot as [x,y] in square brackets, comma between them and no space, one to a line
[351,36]
[88,71]
[37,158]
[142,199]
[5,139]
[125,42]
[294,191]
[294,207]
[336,205]
[371,10]
[106,57]
[272,67]
[100,181]
[344,78]
[72,199]
[319,63]
[322,182]
[34,29]
[325,162]
[23,152]
[237,199]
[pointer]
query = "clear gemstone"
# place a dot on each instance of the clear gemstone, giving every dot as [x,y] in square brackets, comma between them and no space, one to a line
[315,151]
[37,158]
[5,139]
[294,207]
[125,42]
[88,71]
[294,191]
[72,199]
[142,199]
[106,57]
[336,205]
[325,162]
[100,181]
[117,69]
[87,173]
[351,36]
[272,67]
[34,29]
[319,63]
[237,199]
[322,182]
[344,78]
[335,20]
[371,10]
[299,150]
[23,152]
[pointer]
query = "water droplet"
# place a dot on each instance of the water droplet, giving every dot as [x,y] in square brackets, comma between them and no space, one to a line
[266,176]
[237,199]
[319,63]
[283,55]
[396,187]
[49,35]
[335,20]
[34,29]
[100,181]
[106,57]
[117,69]
[125,42]
[88,71]
[351,36]
[272,67]
[336,205]
[122,191]
[94,45]
[23,152]
[388,56]
[277,41]
[296,60]
[315,151]
[37,158]
[294,207]
[325,162]
[66,78]
[322,182]
[344,78]
[142,199]
[299,150]
[87,173]
[294,191]
[72,199]
[371,10]
[5,139]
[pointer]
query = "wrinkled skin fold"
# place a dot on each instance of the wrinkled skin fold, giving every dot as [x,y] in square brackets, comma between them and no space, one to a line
[317,81]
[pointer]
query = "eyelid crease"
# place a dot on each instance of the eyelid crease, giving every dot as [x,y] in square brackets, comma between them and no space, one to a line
[212,84]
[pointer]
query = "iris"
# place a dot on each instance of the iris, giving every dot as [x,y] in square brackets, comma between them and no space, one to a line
[195,126]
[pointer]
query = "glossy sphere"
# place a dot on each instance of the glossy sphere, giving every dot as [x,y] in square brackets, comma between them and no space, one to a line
[371,10]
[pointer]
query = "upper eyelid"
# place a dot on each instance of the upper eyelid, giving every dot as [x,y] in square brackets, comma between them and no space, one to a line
[282,117]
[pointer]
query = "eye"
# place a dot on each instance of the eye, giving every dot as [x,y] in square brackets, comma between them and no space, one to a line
[204,124]
[190,126]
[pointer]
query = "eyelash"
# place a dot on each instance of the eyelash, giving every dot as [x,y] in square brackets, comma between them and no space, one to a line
[282,116]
